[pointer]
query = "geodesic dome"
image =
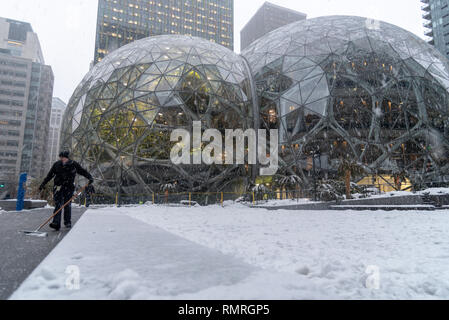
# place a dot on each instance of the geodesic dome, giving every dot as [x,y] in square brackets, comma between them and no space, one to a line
[349,88]
[119,120]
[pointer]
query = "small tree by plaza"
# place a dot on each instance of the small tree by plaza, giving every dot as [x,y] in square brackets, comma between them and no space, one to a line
[330,191]
[289,183]
[167,188]
[400,177]
[417,181]
[350,169]
[260,191]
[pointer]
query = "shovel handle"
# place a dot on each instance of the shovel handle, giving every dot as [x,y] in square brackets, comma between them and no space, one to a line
[76,195]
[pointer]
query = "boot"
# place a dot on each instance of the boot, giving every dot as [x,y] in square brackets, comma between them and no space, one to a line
[55,226]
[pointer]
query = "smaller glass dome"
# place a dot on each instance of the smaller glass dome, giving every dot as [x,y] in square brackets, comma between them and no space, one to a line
[119,120]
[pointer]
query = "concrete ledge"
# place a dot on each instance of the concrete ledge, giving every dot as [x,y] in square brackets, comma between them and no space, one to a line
[299,207]
[10,205]
[384,208]
[411,202]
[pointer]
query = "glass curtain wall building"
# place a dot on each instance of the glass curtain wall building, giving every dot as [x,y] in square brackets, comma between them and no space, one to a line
[57,112]
[436,16]
[26,88]
[35,150]
[124,21]
[268,18]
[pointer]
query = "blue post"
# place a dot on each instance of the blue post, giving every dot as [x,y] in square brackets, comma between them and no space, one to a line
[21,192]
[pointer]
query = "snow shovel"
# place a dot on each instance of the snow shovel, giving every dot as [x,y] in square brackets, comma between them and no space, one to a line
[37,232]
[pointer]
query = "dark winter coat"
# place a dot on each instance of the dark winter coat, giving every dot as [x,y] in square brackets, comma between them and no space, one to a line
[65,174]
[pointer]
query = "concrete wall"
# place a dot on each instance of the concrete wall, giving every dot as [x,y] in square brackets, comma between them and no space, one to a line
[387,201]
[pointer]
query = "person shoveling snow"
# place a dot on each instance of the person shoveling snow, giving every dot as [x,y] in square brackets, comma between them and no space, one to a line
[63,172]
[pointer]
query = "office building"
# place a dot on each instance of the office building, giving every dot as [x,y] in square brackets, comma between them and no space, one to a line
[436,16]
[26,89]
[57,112]
[122,22]
[268,18]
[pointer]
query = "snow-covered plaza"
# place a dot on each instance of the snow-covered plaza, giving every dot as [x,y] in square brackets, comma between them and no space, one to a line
[236,252]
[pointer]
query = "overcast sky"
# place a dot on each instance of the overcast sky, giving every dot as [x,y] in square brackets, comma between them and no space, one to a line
[66,28]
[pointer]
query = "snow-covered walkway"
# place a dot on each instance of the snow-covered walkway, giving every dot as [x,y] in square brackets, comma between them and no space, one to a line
[235,252]
[119,257]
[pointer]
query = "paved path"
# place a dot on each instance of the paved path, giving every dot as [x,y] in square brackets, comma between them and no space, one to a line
[118,257]
[21,254]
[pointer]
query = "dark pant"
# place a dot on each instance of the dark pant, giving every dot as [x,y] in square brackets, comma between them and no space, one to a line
[61,196]
[88,200]
[85,199]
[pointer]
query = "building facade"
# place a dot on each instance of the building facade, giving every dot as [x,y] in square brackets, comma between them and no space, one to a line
[436,16]
[34,158]
[26,89]
[57,112]
[268,18]
[18,39]
[122,22]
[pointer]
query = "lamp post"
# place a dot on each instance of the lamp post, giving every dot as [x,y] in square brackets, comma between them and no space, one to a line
[315,173]
[121,182]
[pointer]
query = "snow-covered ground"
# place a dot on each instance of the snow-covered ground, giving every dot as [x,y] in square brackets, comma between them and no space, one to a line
[157,252]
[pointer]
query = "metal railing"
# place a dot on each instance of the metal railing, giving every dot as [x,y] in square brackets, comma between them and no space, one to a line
[192,198]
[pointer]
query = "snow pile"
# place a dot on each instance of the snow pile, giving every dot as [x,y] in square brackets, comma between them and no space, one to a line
[126,285]
[435,191]
[235,252]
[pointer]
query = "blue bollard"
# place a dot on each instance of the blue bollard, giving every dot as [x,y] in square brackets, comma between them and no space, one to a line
[21,192]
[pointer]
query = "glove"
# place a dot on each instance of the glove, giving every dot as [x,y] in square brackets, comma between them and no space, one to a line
[91,182]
